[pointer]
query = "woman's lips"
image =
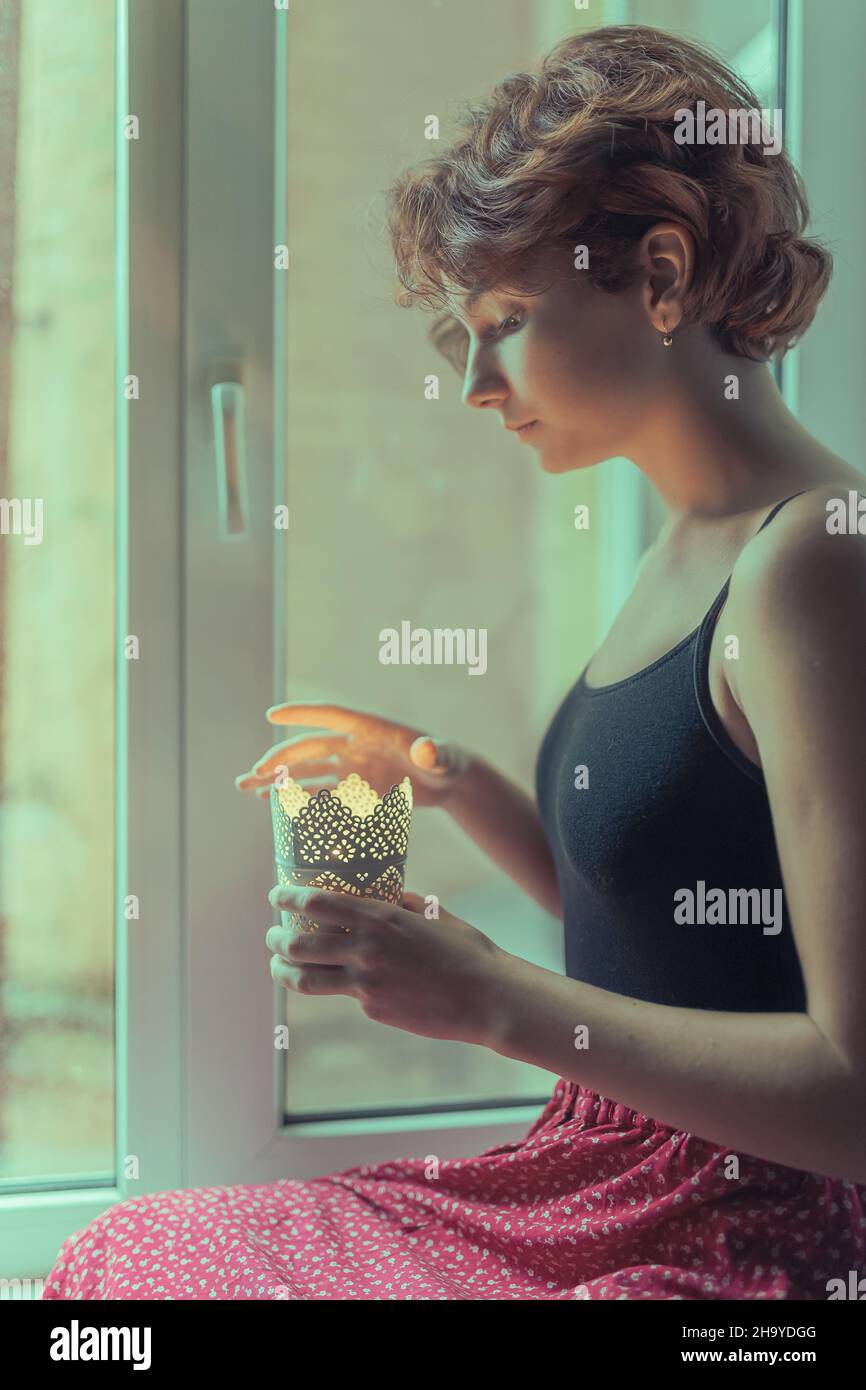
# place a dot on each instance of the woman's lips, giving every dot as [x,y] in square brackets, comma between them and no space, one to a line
[526,429]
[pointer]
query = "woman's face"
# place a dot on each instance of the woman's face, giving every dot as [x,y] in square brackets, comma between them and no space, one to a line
[585,364]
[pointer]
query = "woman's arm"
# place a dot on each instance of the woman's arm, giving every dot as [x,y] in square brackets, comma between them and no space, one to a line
[766,1084]
[790,1088]
[503,821]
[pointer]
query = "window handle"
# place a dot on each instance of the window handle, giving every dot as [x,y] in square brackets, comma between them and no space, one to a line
[227,405]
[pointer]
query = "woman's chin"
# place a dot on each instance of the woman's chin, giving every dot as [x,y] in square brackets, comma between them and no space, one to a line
[567,460]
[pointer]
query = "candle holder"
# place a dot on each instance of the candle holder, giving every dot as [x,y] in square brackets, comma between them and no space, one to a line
[347,839]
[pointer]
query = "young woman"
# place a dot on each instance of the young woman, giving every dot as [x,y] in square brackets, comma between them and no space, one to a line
[701,792]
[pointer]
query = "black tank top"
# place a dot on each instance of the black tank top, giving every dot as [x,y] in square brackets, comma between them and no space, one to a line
[671,804]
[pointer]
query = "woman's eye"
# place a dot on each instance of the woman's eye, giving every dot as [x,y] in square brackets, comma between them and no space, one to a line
[509,325]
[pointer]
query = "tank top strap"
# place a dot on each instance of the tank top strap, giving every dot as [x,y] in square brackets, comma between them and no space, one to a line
[713,610]
[701,670]
[778,507]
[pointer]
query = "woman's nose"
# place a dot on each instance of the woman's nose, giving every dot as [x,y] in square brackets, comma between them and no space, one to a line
[480,392]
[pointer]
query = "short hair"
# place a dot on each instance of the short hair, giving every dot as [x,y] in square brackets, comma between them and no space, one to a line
[582,148]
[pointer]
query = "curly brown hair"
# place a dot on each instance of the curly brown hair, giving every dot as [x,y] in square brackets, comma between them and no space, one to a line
[582,148]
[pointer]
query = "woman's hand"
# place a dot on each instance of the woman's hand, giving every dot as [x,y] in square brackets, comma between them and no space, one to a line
[439,978]
[379,750]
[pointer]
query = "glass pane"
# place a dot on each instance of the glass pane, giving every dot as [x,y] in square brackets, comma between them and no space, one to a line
[401,508]
[743,32]
[57,592]
[405,508]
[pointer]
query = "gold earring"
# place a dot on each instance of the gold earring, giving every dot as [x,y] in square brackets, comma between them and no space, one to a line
[667,340]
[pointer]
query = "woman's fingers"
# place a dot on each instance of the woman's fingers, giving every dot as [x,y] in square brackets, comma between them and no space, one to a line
[309,979]
[310,962]
[311,947]
[321,756]
[315,771]
[311,776]
[347,910]
[309,784]
[262,786]
[318,716]
[413,901]
[249,782]
[436,756]
[304,748]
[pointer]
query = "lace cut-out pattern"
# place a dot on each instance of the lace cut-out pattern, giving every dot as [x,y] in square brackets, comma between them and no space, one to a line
[346,839]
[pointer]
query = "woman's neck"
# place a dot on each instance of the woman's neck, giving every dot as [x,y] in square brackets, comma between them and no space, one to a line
[722,441]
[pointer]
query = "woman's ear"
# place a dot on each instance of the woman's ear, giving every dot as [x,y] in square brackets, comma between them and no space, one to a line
[667,258]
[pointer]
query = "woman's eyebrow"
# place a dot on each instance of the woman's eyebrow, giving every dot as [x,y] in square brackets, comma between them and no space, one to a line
[464,308]
[472,300]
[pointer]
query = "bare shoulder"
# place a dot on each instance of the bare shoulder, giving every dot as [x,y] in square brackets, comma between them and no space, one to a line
[814,536]
[803,577]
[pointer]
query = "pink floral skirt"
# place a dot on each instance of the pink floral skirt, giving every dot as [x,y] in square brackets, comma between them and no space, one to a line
[595,1202]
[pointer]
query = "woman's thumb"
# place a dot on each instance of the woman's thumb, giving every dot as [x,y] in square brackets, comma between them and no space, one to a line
[434,755]
[414,902]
